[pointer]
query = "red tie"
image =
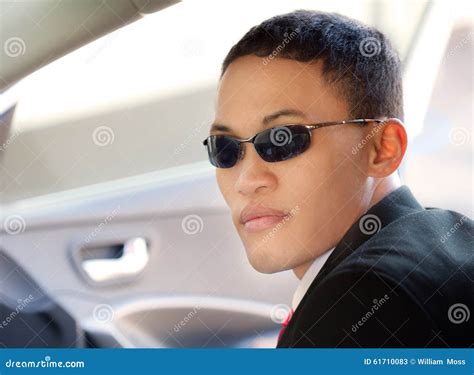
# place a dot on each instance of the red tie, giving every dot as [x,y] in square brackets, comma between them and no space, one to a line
[285,323]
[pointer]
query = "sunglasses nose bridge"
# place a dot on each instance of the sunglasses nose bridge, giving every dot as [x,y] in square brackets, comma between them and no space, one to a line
[242,146]
[251,143]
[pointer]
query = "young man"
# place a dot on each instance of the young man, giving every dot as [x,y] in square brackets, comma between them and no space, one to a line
[307,139]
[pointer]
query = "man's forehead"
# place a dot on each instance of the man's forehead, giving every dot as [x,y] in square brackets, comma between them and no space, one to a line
[247,72]
[248,94]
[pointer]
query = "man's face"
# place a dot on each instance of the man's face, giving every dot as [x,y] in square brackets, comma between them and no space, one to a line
[322,190]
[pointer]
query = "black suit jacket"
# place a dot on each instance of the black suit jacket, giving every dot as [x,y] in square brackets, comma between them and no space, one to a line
[402,276]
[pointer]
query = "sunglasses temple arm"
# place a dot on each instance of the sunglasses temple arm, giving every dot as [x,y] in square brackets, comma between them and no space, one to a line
[358,121]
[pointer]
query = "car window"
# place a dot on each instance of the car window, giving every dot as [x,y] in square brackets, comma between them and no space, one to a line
[439,160]
[140,99]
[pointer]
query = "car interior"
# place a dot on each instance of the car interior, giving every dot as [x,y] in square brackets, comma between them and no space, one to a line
[115,233]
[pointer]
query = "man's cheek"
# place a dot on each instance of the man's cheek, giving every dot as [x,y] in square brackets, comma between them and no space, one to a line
[225,186]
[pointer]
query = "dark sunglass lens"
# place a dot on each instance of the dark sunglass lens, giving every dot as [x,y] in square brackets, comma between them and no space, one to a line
[223,151]
[282,143]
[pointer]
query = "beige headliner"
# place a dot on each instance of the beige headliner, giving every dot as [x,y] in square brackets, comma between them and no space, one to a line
[35,33]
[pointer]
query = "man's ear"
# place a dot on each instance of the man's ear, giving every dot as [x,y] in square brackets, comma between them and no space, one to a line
[387,149]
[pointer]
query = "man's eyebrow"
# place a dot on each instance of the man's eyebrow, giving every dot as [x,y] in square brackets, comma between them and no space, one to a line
[284,112]
[220,127]
[266,120]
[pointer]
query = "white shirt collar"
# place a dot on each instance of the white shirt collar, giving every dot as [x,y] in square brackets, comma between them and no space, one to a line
[308,277]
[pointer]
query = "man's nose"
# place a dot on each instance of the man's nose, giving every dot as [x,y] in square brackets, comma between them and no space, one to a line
[254,173]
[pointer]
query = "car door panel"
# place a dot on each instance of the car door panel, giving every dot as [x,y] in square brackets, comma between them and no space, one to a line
[193,250]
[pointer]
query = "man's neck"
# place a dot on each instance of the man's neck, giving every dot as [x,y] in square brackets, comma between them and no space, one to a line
[384,187]
[380,190]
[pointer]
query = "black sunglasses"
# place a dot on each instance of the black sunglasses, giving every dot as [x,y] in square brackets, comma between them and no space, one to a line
[273,145]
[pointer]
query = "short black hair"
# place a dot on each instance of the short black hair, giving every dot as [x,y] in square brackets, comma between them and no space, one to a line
[359,60]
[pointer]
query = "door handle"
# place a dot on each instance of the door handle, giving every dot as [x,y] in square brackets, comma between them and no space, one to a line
[134,257]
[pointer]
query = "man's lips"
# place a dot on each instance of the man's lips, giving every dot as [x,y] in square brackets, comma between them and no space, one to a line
[262,222]
[256,217]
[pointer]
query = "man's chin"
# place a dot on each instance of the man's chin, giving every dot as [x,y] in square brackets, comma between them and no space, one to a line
[265,263]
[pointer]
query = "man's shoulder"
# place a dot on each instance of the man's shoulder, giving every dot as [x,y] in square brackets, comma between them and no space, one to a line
[426,222]
[419,237]
[432,237]
[427,256]
[425,252]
